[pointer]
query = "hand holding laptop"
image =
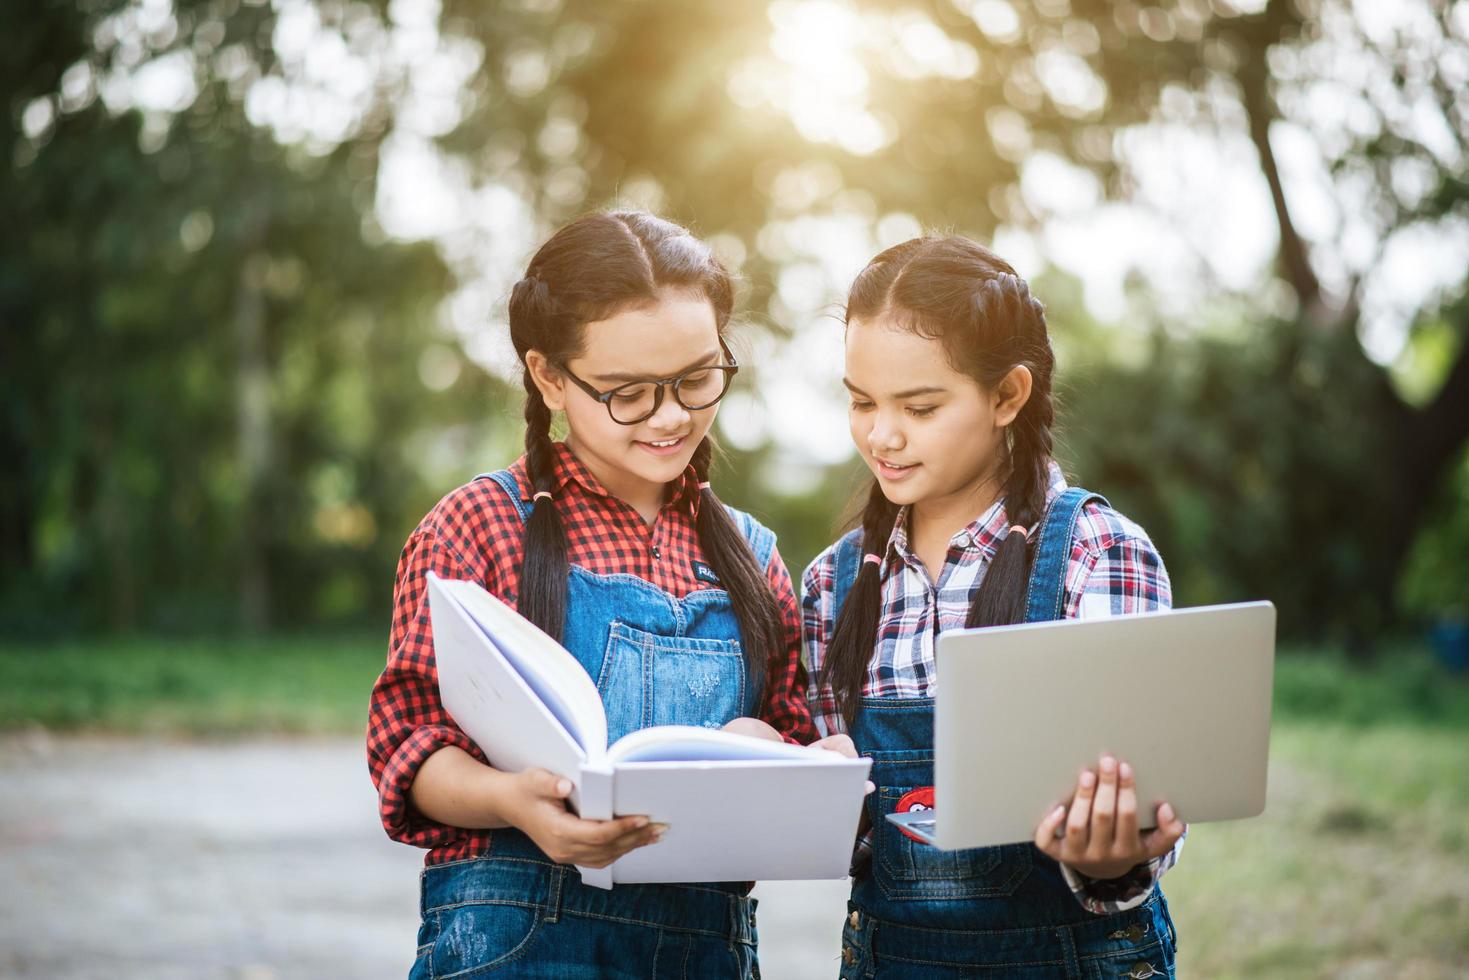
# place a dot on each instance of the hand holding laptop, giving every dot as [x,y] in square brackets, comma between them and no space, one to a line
[1098,833]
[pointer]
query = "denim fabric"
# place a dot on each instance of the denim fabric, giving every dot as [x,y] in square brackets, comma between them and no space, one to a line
[521,916]
[657,660]
[918,911]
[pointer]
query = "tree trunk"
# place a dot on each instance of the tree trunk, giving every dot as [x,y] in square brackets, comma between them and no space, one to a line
[253,428]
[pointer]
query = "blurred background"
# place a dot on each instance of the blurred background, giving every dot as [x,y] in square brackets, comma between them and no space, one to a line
[252,327]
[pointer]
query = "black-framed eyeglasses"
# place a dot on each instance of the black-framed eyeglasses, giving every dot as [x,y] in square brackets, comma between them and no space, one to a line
[635,401]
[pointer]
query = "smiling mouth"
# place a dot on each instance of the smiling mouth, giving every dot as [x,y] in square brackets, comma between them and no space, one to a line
[896,467]
[662,447]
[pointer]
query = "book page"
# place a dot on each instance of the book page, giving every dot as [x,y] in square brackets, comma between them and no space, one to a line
[686,743]
[555,676]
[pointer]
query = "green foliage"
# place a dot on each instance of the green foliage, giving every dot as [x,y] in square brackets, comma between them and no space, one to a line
[294,683]
[213,405]
[211,378]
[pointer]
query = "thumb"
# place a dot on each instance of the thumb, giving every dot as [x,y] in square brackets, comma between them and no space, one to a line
[544,783]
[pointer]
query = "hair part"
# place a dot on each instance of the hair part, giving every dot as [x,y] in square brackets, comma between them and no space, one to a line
[589,270]
[973,303]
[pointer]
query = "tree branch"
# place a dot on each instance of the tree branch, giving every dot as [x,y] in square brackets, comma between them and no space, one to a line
[1259,107]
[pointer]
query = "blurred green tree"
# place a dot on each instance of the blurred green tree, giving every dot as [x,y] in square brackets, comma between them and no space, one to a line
[1282,462]
[222,381]
[210,372]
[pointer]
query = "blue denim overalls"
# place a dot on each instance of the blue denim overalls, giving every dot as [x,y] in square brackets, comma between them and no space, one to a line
[917,911]
[657,660]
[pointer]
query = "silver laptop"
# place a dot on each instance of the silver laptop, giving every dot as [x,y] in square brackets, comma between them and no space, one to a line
[1183,695]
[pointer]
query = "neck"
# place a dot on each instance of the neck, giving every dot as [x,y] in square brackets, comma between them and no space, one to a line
[641,495]
[940,518]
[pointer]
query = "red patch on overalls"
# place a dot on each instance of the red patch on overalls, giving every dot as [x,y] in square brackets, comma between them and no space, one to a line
[915,799]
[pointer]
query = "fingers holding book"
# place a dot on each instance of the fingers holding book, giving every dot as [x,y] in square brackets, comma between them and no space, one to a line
[541,812]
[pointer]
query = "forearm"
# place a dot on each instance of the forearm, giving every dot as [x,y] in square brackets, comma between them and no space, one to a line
[453,787]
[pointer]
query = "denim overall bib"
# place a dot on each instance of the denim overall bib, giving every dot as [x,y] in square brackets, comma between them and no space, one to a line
[657,660]
[917,911]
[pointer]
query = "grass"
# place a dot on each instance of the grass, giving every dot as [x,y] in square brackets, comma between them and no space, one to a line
[204,687]
[1358,868]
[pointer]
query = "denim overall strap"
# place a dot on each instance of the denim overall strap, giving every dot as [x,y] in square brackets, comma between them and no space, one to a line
[1046,596]
[512,490]
[760,538]
[849,564]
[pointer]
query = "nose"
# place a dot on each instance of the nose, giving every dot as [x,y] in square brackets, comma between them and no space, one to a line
[885,435]
[670,417]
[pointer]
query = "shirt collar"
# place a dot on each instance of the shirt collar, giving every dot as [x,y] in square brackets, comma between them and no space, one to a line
[982,534]
[570,469]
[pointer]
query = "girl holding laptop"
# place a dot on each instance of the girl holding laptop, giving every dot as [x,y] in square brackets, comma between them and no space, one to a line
[949,368]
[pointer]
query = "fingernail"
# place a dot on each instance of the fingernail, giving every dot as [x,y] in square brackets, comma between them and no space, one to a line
[563,787]
[659,828]
[1108,764]
[1165,813]
[640,822]
[1125,771]
[1088,779]
[1060,811]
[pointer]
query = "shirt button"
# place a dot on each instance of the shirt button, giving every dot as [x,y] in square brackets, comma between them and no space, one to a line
[656,552]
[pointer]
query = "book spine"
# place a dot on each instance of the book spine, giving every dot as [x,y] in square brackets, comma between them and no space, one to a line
[596,804]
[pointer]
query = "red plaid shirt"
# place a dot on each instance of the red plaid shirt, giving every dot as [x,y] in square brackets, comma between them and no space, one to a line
[475,533]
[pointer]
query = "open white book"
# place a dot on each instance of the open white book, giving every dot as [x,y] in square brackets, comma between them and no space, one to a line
[737,808]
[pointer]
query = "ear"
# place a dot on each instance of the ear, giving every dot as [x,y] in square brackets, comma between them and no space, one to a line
[547,378]
[1011,394]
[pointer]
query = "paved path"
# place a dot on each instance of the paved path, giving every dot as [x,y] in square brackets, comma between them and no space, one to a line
[254,860]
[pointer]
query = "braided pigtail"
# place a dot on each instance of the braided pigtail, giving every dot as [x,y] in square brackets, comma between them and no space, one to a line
[748,585]
[854,639]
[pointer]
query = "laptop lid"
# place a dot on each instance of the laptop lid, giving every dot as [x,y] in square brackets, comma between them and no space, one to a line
[1182,695]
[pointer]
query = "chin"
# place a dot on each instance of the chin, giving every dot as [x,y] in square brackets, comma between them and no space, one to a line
[900,495]
[656,470]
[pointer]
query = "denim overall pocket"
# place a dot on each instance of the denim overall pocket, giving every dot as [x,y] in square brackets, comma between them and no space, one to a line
[669,680]
[478,939]
[907,869]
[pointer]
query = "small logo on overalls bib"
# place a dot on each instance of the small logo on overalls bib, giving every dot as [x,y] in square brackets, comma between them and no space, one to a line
[915,799]
[704,573]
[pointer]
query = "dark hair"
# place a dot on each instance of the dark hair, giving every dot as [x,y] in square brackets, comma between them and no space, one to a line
[590,270]
[981,312]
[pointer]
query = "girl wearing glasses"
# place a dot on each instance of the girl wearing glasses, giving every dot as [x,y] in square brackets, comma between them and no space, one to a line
[613,541]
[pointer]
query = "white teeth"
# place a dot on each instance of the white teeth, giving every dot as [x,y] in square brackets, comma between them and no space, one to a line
[665,444]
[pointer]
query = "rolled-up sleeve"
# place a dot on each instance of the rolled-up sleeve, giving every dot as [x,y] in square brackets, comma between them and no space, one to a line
[786,709]
[407,722]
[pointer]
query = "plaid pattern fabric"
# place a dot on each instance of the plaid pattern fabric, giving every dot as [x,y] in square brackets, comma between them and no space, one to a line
[1113,569]
[475,533]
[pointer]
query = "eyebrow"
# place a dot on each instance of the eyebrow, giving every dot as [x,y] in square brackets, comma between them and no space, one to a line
[623,376]
[907,393]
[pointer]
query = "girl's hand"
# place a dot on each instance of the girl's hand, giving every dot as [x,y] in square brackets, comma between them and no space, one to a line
[840,743]
[1099,837]
[754,727]
[538,807]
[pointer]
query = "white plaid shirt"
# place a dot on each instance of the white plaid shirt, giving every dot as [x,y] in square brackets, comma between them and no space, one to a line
[1113,569]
